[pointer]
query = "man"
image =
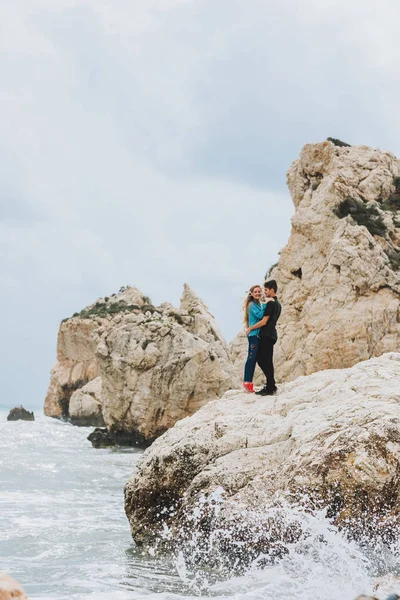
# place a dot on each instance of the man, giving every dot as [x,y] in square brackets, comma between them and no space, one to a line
[268,337]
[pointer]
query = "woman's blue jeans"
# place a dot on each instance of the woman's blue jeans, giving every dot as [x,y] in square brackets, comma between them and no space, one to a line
[250,365]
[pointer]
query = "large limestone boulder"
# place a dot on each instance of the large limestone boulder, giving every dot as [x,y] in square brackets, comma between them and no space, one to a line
[328,440]
[10,589]
[85,406]
[339,275]
[159,366]
[76,350]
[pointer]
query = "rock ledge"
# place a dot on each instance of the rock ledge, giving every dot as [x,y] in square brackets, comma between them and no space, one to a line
[331,439]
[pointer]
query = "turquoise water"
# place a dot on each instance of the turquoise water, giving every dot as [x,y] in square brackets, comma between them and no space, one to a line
[64,534]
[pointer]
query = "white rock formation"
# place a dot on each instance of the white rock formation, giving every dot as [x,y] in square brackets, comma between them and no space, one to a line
[339,273]
[333,436]
[85,405]
[76,359]
[10,589]
[138,368]
[76,365]
[160,366]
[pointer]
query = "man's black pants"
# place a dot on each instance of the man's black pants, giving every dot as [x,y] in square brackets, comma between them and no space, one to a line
[265,359]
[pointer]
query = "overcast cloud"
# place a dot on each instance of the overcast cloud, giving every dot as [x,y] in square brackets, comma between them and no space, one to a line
[146,142]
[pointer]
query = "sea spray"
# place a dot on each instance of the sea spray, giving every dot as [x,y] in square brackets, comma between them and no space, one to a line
[319,562]
[276,544]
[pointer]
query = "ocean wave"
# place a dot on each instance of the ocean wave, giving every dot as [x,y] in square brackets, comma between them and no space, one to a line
[64,534]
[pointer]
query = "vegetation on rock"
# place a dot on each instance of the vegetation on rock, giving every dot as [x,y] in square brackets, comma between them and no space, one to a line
[371,217]
[393,202]
[101,309]
[363,214]
[109,307]
[337,142]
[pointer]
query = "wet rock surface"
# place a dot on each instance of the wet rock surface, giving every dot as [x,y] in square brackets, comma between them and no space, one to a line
[20,414]
[101,438]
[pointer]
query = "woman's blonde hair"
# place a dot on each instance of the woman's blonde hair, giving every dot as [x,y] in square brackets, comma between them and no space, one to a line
[249,298]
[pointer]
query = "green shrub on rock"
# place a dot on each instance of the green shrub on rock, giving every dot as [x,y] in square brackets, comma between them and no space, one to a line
[393,202]
[337,142]
[103,308]
[369,216]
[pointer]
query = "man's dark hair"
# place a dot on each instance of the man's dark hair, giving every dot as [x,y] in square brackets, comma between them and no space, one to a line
[271,285]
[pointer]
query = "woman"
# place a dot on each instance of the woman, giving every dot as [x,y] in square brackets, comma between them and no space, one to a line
[253,313]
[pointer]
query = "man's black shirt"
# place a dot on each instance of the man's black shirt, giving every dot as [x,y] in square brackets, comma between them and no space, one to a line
[273,310]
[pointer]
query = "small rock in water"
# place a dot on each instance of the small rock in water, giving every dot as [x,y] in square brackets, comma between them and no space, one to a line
[101,438]
[10,589]
[20,413]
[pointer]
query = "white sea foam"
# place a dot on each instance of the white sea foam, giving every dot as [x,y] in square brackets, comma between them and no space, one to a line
[63,533]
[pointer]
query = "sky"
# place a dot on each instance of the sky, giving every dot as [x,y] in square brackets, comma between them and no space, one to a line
[146,142]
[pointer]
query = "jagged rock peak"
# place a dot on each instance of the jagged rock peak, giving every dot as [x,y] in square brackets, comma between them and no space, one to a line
[191,302]
[204,323]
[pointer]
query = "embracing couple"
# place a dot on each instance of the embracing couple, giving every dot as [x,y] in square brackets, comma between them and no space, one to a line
[261,312]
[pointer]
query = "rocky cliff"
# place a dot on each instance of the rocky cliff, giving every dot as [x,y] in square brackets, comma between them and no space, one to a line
[138,368]
[222,477]
[76,365]
[339,275]
[159,366]
[76,350]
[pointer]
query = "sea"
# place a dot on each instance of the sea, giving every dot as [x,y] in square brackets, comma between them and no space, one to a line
[64,534]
